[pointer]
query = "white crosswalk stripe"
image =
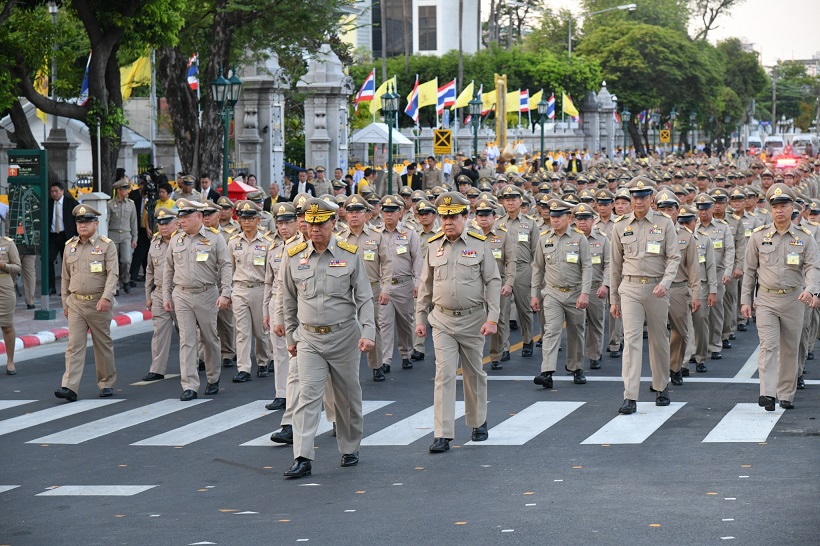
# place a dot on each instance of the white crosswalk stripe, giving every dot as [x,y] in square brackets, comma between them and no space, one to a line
[635,428]
[51,414]
[408,430]
[745,423]
[4,488]
[6,404]
[528,423]
[95,490]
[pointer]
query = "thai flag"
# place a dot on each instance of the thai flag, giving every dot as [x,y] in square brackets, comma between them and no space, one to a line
[446,96]
[468,119]
[642,116]
[368,90]
[412,109]
[616,116]
[193,70]
[551,107]
[525,101]
[83,98]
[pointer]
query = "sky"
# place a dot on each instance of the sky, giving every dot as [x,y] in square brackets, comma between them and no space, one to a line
[779,29]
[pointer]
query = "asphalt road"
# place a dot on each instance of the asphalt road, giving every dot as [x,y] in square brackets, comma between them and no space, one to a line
[560,466]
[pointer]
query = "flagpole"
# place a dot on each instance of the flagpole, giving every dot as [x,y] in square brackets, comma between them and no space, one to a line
[153,106]
[455,121]
[198,102]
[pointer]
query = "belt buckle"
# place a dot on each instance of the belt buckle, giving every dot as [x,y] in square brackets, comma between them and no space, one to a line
[564,289]
[781,291]
[456,313]
[323,330]
[643,280]
[394,281]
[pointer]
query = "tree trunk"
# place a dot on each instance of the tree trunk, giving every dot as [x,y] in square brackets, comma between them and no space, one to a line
[491,24]
[634,135]
[182,106]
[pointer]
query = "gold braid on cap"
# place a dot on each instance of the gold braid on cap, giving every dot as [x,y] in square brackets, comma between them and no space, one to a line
[449,208]
[315,216]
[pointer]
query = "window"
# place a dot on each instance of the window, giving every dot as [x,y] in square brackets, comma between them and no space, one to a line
[427,28]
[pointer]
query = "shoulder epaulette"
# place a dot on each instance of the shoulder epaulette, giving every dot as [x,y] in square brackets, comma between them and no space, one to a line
[706,233]
[477,236]
[8,239]
[292,251]
[268,237]
[664,214]
[722,221]
[214,230]
[104,239]
[377,229]
[544,232]
[436,236]
[533,218]
[805,230]
[578,231]
[156,236]
[291,239]
[502,228]
[234,236]
[175,232]
[619,218]
[229,229]
[350,247]
[758,228]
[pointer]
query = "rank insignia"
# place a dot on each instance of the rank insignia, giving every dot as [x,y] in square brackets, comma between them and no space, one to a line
[96,250]
[440,251]
[337,263]
[238,246]
[468,254]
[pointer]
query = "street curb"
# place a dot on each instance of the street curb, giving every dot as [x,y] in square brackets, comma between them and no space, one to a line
[50,336]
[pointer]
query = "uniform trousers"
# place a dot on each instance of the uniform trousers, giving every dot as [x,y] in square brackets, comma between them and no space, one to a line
[29,263]
[124,252]
[374,356]
[82,317]
[700,326]
[716,318]
[616,331]
[595,313]
[807,340]
[779,328]
[247,309]
[318,356]
[500,341]
[164,324]
[679,309]
[521,296]
[690,336]
[639,304]
[558,307]
[730,309]
[226,330]
[396,320]
[458,341]
[813,332]
[197,309]
[281,364]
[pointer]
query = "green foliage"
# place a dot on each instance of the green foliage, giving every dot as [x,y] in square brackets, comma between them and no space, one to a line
[111,118]
[797,94]
[670,14]
[741,69]
[552,32]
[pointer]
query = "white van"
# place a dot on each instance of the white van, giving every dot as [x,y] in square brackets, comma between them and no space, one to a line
[774,145]
[753,141]
[799,143]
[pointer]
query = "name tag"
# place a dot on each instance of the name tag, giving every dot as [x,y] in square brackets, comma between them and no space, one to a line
[497,254]
[572,257]
[96,267]
[258,260]
[701,259]
[523,237]
[596,260]
[748,233]
[201,256]
[369,255]
[653,247]
[792,258]
[717,245]
[401,249]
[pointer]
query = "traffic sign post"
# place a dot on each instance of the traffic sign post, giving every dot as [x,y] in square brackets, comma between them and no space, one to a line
[28,212]
[665,138]
[442,141]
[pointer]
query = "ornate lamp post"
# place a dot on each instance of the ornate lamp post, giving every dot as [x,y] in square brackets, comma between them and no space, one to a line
[673,115]
[474,107]
[390,106]
[226,94]
[543,106]
[626,115]
[693,117]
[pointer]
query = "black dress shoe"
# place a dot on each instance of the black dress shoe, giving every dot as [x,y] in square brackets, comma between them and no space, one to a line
[527,349]
[334,430]
[766,402]
[127,289]
[299,469]
[11,372]
[378,375]
[283,436]
[662,398]
[629,407]
[201,366]
[513,325]
[212,388]
[227,363]
[594,364]
[614,354]
[30,306]
[417,356]
[801,384]
[66,394]
[726,344]
[277,404]
[132,284]
[262,371]
[810,356]
[539,343]
[241,377]
[701,368]
[676,378]
[351,459]
[480,433]
[505,356]
[385,368]
[693,360]
[579,378]
[741,327]
[440,445]
[785,404]
[153,377]
[106,392]
[732,337]
[685,372]
[188,395]
[716,356]
[406,364]
[545,380]
[496,365]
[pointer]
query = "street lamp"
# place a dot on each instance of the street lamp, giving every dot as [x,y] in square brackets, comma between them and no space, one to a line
[474,107]
[656,121]
[226,94]
[390,106]
[693,117]
[543,107]
[628,7]
[626,115]
[727,119]
[673,115]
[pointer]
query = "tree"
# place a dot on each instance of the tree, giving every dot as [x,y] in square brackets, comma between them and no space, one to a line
[709,11]
[741,69]
[796,94]
[552,32]
[670,14]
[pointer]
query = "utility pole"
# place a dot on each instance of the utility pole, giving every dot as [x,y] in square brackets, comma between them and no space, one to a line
[774,99]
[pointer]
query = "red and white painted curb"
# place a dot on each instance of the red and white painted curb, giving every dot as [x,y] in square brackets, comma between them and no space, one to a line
[50,336]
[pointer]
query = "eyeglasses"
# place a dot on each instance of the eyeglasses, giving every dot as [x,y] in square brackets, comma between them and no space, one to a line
[247,218]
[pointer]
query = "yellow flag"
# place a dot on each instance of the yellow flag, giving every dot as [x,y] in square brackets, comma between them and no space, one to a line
[376,103]
[535,99]
[465,97]
[428,93]
[41,86]
[513,101]
[568,107]
[488,101]
[135,74]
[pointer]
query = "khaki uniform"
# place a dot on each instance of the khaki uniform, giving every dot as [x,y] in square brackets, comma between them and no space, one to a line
[432,177]
[122,230]
[396,318]
[424,237]
[8,274]
[684,289]
[781,265]
[749,222]
[562,271]
[459,291]
[279,348]
[90,272]
[525,234]
[644,254]
[698,323]
[29,262]
[164,322]
[225,319]
[503,249]
[599,255]
[248,258]
[326,309]
[724,246]
[808,336]
[197,271]
[730,300]
[266,223]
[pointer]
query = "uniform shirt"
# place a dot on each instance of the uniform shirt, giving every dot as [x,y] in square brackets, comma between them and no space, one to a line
[524,233]
[689,268]
[646,247]
[432,177]
[606,227]
[739,238]
[749,222]
[273,276]
[326,289]
[424,238]
[723,244]
[373,248]
[230,227]
[599,256]
[156,264]
[193,196]
[562,261]
[248,256]
[459,275]
[122,217]
[780,261]
[706,261]
[403,246]
[195,261]
[813,228]
[90,267]
[503,250]
[267,223]
[10,257]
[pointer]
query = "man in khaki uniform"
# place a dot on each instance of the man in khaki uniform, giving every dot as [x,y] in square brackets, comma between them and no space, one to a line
[266,221]
[378,263]
[730,300]
[621,205]
[561,281]
[186,190]
[89,279]
[458,294]
[225,321]
[196,263]
[226,221]
[328,317]
[122,229]
[431,175]
[426,227]
[249,251]
[747,223]
[782,261]
[599,255]
[645,259]
[164,322]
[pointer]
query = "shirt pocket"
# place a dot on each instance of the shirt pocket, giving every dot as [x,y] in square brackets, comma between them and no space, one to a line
[630,245]
[468,269]
[179,256]
[337,282]
[305,282]
[550,253]
[794,253]
[72,261]
[768,255]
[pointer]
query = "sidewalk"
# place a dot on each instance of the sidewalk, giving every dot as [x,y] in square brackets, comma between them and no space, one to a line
[128,309]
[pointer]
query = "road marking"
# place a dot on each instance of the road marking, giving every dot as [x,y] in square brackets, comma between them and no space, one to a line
[618,379]
[368,406]
[96,490]
[528,423]
[6,404]
[750,367]
[635,428]
[143,383]
[107,425]
[51,414]
[208,427]
[4,488]
[408,430]
[745,423]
